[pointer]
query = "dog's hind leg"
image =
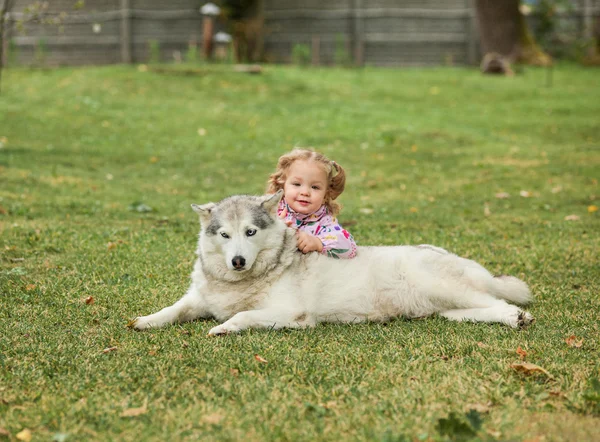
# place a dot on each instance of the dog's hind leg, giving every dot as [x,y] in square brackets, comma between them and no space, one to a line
[188,308]
[500,311]
[266,318]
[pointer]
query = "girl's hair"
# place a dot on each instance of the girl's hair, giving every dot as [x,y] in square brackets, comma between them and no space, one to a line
[336,176]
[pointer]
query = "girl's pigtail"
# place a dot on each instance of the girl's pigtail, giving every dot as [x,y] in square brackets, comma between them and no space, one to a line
[338,180]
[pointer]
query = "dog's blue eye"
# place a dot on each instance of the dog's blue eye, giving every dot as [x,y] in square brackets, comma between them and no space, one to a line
[251,232]
[224,235]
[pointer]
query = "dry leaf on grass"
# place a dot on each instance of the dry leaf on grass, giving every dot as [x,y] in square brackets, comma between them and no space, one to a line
[260,359]
[502,195]
[573,342]
[592,209]
[89,300]
[525,193]
[213,418]
[521,352]
[4,432]
[109,349]
[24,435]
[556,189]
[571,218]
[530,369]
[133,412]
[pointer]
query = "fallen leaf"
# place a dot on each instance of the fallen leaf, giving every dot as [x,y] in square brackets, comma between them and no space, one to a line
[111,245]
[260,359]
[30,287]
[482,345]
[502,195]
[202,132]
[556,189]
[571,218]
[24,435]
[481,408]
[525,193]
[592,209]
[521,352]
[366,211]
[89,300]
[214,418]
[133,412]
[4,432]
[413,210]
[234,371]
[109,349]
[573,342]
[154,159]
[529,369]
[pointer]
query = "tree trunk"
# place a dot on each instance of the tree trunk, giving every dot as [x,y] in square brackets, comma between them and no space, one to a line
[4,10]
[503,30]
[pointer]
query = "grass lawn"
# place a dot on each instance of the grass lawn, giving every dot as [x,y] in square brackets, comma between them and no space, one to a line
[98,167]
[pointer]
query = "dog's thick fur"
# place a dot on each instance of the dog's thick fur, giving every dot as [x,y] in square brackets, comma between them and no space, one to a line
[250,274]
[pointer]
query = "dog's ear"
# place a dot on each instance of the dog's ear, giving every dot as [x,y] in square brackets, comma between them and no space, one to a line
[271,202]
[204,210]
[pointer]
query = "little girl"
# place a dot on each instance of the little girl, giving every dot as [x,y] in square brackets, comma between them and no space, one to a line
[310,184]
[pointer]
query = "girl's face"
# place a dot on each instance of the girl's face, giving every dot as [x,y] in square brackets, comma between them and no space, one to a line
[305,186]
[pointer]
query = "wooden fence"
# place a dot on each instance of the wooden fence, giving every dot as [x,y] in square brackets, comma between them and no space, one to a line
[372,32]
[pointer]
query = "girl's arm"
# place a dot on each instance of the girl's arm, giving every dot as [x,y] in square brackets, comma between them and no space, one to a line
[337,242]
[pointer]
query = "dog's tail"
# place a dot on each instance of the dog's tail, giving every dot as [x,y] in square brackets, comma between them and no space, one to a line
[510,288]
[504,287]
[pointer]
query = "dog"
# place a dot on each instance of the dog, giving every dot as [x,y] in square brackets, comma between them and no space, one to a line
[249,274]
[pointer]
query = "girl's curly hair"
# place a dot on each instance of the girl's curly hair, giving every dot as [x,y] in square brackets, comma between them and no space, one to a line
[336,176]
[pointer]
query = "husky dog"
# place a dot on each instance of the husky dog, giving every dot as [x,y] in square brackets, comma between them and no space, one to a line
[249,273]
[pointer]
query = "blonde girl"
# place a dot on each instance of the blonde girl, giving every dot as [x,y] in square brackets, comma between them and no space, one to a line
[311,183]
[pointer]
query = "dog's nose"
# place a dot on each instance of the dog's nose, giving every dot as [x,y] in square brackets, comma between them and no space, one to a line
[238,262]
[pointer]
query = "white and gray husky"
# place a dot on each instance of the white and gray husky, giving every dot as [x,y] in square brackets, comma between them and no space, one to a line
[250,274]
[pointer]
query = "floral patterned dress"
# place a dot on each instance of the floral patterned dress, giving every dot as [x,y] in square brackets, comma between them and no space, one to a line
[337,241]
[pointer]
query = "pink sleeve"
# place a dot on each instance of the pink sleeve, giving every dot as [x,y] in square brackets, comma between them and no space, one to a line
[337,242]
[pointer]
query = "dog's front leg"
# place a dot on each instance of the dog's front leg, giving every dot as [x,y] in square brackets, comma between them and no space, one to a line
[189,307]
[266,318]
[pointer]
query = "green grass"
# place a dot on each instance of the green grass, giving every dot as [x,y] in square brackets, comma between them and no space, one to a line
[426,152]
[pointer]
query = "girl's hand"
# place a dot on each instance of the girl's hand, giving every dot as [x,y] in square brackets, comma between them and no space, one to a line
[308,243]
[282,216]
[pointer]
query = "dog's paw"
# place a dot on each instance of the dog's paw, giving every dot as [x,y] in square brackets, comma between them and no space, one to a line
[524,319]
[223,329]
[139,323]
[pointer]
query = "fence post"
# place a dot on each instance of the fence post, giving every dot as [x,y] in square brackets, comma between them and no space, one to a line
[125,32]
[471,33]
[358,32]
[316,50]
[588,20]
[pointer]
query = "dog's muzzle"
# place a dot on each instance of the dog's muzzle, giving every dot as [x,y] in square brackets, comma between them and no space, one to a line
[238,262]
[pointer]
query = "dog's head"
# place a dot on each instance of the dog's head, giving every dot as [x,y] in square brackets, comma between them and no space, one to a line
[236,230]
